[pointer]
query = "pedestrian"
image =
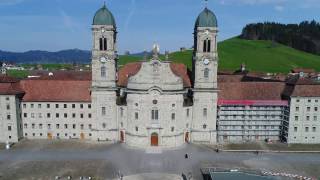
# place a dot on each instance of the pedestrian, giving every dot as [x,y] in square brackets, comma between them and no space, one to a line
[186,156]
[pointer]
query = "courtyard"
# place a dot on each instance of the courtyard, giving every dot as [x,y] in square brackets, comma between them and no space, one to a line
[44,159]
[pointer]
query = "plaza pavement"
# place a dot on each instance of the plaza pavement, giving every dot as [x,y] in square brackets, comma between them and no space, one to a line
[104,161]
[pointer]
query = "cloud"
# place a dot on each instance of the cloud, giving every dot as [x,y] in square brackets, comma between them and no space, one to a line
[131,13]
[67,21]
[10,2]
[279,8]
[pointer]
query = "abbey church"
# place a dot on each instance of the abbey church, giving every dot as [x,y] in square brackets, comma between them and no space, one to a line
[159,103]
[155,102]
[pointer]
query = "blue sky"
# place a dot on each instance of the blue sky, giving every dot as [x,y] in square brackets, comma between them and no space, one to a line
[65,24]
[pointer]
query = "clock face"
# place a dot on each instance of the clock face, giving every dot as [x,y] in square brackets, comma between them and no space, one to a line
[103,30]
[103,59]
[206,61]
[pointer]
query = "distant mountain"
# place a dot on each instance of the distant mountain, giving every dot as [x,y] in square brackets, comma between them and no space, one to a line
[44,57]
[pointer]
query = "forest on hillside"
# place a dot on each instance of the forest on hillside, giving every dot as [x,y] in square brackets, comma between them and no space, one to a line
[304,36]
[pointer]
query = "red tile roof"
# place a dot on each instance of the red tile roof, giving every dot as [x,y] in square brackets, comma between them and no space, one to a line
[63,75]
[126,71]
[181,71]
[251,90]
[9,86]
[306,91]
[305,70]
[56,91]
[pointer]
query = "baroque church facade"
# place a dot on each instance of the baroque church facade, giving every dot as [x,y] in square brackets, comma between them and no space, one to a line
[154,102]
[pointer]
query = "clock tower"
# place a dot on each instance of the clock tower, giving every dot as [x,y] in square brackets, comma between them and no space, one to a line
[205,67]
[104,73]
[104,55]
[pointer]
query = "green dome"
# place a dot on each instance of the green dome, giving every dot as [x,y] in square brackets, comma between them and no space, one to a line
[206,19]
[104,17]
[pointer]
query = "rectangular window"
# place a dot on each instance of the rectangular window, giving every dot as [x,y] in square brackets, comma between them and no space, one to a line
[315,118]
[73,115]
[315,108]
[297,108]
[40,126]
[57,105]
[8,106]
[308,118]
[307,129]
[296,118]
[74,126]
[65,115]
[49,126]
[66,126]
[39,106]
[8,116]
[81,126]
[81,116]
[32,115]
[89,106]
[57,126]
[103,111]
[48,115]
[73,106]
[65,106]
[81,106]
[173,116]
[295,129]
[33,126]
[40,115]
[308,109]
[154,114]
[9,128]
[32,105]
[48,106]
[25,126]
[136,115]
[24,106]
[25,115]
[314,129]
[57,115]
[89,115]
[205,112]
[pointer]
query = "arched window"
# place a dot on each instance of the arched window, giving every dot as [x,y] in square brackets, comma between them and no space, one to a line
[103,44]
[100,44]
[207,45]
[103,71]
[206,73]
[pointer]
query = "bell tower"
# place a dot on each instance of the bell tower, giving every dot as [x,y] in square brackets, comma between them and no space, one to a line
[104,70]
[205,56]
[104,53]
[205,67]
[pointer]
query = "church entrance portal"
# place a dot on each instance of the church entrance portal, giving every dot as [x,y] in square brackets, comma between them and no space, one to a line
[186,138]
[154,139]
[122,136]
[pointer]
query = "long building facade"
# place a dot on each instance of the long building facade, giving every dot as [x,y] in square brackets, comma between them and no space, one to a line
[154,102]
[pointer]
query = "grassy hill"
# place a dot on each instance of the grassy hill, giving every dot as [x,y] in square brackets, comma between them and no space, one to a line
[261,56]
